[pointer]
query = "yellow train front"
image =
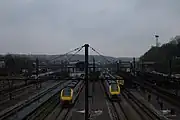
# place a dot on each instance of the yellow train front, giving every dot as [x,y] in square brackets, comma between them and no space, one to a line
[114,91]
[66,97]
[120,81]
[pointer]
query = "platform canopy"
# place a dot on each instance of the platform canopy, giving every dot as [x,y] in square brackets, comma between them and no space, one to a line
[148,63]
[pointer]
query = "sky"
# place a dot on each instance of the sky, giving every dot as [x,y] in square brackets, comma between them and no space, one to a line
[113,27]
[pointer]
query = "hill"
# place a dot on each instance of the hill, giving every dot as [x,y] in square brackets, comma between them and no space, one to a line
[168,52]
[76,57]
[79,57]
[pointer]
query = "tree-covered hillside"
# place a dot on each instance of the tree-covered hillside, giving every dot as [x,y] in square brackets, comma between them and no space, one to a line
[15,64]
[164,55]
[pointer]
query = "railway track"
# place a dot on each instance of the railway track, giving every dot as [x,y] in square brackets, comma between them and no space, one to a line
[164,94]
[16,91]
[60,113]
[119,111]
[115,108]
[21,110]
[18,84]
[142,109]
[48,109]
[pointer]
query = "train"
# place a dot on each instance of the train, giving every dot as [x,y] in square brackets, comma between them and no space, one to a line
[120,81]
[114,87]
[114,90]
[66,96]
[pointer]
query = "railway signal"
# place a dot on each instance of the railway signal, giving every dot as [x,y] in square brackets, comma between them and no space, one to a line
[38,85]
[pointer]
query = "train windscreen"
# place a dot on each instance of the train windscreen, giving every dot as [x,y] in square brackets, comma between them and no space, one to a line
[114,87]
[67,92]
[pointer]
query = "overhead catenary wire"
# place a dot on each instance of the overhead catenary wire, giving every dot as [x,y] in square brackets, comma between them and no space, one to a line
[68,59]
[110,62]
[75,53]
[108,72]
[65,55]
[105,59]
[101,55]
[59,56]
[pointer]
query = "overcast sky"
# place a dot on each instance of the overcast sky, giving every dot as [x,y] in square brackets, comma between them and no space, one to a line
[114,27]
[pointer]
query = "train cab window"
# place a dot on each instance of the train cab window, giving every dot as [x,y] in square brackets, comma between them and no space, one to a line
[114,87]
[67,92]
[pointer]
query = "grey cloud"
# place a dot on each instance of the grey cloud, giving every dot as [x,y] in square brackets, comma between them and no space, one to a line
[115,27]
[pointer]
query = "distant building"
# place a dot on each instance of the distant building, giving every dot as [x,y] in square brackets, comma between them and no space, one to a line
[2,64]
[78,66]
[77,74]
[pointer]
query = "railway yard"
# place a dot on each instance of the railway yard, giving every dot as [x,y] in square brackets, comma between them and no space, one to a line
[137,102]
[23,93]
[89,60]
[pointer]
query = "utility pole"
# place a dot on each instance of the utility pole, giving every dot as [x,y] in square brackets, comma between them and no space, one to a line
[131,67]
[10,88]
[37,67]
[119,64]
[37,71]
[94,67]
[117,67]
[170,68]
[142,65]
[94,78]
[170,75]
[86,83]
[134,65]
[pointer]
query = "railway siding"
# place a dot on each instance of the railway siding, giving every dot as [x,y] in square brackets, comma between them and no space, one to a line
[20,111]
[145,106]
[61,113]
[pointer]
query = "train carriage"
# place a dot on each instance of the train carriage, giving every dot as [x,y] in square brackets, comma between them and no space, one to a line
[120,81]
[66,97]
[114,90]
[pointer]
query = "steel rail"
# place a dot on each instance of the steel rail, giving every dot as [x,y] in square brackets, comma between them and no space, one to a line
[63,113]
[117,108]
[150,114]
[14,110]
[43,110]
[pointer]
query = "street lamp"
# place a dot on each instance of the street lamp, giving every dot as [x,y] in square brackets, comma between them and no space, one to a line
[157,36]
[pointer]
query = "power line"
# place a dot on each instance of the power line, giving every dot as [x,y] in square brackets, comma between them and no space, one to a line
[79,48]
[75,53]
[105,59]
[100,54]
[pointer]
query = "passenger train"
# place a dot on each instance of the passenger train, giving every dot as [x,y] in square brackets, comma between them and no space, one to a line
[114,90]
[66,98]
[114,86]
[120,81]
